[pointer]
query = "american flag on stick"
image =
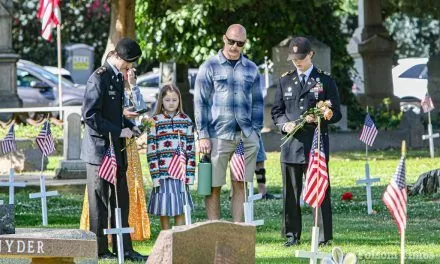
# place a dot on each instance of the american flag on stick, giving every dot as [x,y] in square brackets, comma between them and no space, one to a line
[395,197]
[316,176]
[369,131]
[107,170]
[50,15]
[238,162]
[177,168]
[45,140]
[427,103]
[8,143]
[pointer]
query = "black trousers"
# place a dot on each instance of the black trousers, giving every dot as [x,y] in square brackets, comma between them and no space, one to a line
[102,204]
[292,187]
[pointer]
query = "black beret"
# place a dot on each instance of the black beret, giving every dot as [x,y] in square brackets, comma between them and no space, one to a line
[299,47]
[128,50]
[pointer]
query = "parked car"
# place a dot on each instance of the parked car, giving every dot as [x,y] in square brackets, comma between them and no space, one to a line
[37,87]
[410,79]
[64,73]
[148,84]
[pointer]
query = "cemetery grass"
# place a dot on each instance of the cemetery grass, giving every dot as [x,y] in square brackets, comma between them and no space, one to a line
[373,238]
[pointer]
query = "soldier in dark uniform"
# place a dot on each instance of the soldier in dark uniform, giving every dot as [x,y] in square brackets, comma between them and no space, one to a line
[297,91]
[102,111]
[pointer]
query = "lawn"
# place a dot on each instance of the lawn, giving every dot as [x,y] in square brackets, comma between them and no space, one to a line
[373,238]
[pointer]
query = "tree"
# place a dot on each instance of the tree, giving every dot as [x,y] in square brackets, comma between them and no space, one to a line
[82,22]
[189,31]
[121,23]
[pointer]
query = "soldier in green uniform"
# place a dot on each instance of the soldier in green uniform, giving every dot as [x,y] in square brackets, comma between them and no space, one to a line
[297,91]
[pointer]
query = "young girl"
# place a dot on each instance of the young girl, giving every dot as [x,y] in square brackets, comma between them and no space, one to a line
[170,124]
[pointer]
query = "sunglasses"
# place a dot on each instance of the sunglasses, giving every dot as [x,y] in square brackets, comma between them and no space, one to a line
[232,42]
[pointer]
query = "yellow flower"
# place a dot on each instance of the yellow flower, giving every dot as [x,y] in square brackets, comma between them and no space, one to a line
[328,114]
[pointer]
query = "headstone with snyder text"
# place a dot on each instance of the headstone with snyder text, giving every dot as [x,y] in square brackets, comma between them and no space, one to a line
[49,246]
[206,242]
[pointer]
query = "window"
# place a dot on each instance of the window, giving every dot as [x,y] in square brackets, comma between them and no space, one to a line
[24,78]
[419,71]
[150,82]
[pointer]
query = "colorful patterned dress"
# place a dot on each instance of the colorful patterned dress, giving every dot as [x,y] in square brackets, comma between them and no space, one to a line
[170,194]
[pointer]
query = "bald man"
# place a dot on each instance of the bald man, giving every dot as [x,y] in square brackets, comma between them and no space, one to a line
[228,104]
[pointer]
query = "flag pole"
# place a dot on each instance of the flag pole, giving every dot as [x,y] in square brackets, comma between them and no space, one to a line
[318,171]
[116,178]
[186,209]
[366,149]
[60,93]
[402,235]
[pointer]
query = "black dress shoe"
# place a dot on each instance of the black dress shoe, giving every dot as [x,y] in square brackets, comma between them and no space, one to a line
[291,241]
[134,256]
[325,243]
[107,255]
[269,196]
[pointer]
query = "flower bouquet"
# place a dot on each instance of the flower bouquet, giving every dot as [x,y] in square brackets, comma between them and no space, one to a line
[321,110]
[146,124]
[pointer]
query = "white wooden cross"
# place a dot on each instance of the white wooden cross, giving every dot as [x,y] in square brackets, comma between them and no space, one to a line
[249,206]
[119,231]
[368,183]
[430,137]
[186,207]
[43,195]
[313,254]
[12,184]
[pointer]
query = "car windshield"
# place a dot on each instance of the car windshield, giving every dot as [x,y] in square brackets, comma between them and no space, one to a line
[50,76]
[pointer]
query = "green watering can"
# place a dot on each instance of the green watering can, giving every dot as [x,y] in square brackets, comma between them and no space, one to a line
[204,181]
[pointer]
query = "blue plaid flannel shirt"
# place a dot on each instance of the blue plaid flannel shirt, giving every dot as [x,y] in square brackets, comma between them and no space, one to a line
[225,96]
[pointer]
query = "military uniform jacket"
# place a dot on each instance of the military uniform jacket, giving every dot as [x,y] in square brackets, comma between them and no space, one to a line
[102,112]
[292,100]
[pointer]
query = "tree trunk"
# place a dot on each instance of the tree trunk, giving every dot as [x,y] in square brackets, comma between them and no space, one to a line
[428,183]
[121,23]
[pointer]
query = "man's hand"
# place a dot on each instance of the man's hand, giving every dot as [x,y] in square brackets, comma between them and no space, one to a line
[289,126]
[126,133]
[129,114]
[205,145]
[136,131]
[310,118]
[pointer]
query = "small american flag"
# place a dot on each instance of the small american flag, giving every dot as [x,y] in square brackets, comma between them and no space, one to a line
[369,131]
[44,140]
[238,163]
[8,143]
[427,104]
[317,177]
[395,196]
[50,15]
[177,168]
[107,170]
